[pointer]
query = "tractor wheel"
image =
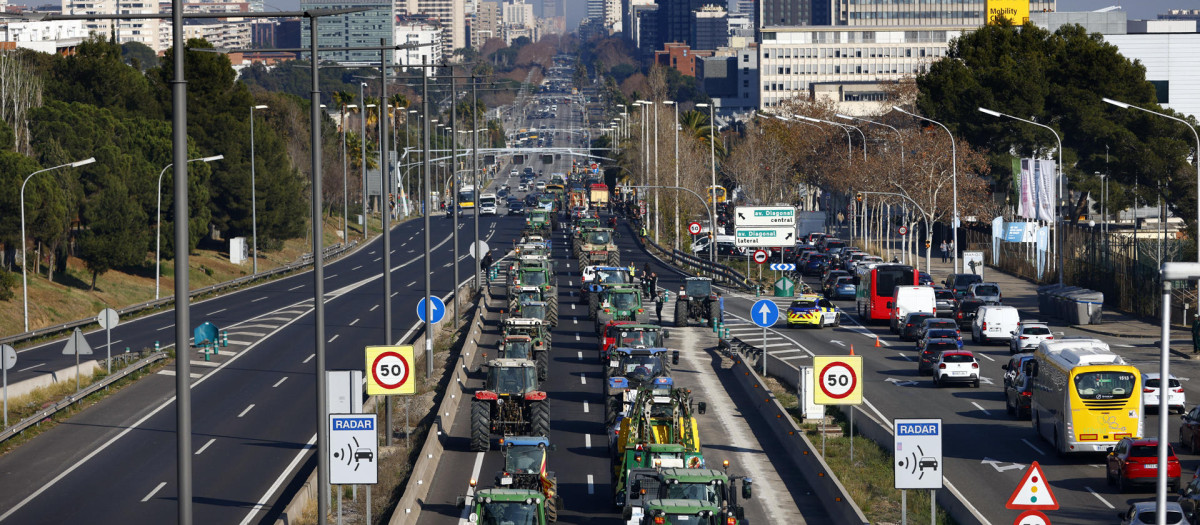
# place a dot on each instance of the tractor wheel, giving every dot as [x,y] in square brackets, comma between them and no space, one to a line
[552,508]
[552,316]
[714,312]
[583,296]
[553,299]
[593,305]
[614,258]
[601,320]
[539,417]
[611,410]
[681,319]
[480,426]
[543,365]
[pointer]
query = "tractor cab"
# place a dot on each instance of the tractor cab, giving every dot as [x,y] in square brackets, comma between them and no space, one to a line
[639,367]
[516,347]
[511,377]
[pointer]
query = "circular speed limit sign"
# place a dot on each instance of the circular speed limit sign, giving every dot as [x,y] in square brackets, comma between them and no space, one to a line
[838,380]
[694,228]
[903,230]
[760,256]
[389,369]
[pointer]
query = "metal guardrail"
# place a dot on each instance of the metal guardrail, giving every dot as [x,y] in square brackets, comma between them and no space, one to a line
[76,397]
[679,258]
[305,260]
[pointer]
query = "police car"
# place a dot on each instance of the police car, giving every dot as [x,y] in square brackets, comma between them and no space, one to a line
[812,310]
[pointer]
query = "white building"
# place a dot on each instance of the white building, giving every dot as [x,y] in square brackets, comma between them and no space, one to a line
[451,14]
[232,34]
[419,32]
[793,60]
[45,37]
[145,31]
[518,14]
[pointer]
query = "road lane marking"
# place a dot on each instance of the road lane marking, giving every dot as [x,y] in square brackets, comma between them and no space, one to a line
[373,308]
[581,356]
[1102,500]
[165,327]
[981,408]
[414,283]
[153,492]
[582,378]
[985,356]
[202,449]
[331,339]
[286,474]
[377,259]
[169,372]
[1038,450]
[331,276]
[280,382]
[585,407]
[576,337]
[354,322]
[218,311]
[309,358]
[462,519]
[575,320]
[40,364]
[587,441]
[259,299]
[591,485]
[246,410]
[572,306]
[294,288]
[395,294]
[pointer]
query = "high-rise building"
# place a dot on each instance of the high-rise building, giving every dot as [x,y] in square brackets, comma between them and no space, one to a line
[487,23]
[784,13]
[909,13]
[595,10]
[144,31]
[645,29]
[710,28]
[418,31]
[451,14]
[675,18]
[360,29]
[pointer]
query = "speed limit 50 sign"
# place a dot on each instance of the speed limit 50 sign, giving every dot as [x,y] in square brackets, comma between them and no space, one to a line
[390,370]
[838,380]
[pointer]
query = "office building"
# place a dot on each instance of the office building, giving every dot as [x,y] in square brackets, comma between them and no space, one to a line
[145,31]
[710,28]
[419,31]
[730,77]
[487,23]
[451,14]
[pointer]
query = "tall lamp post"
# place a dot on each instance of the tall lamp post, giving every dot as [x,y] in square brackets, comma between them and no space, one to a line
[158,220]
[676,162]
[712,190]
[954,184]
[362,155]
[253,195]
[1058,216]
[1124,105]
[24,273]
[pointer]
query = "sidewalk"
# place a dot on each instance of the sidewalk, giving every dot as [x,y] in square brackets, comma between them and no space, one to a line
[1022,294]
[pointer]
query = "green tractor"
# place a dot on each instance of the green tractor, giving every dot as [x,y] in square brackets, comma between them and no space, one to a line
[594,278]
[540,221]
[538,349]
[537,310]
[630,370]
[697,301]
[618,303]
[525,469]
[504,506]
[509,404]
[596,246]
[677,512]
[710,486]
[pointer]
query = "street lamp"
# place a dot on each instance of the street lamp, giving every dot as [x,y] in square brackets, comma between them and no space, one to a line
[1059,199]
[345,168]
[954,183]
[362,155]
[893,128]
[676,162]
[158,220]
[24,274]
[253,198]
[1124,105]
[712,190]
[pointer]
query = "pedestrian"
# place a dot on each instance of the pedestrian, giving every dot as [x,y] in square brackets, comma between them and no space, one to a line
[721,304]
[485,264]
[653,285]
[950,247]
[1196,335]
[659,301]
[944,247]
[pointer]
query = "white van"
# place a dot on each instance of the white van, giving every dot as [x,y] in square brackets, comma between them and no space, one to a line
[909,299]
[994,322]
[487,204]
[700,245]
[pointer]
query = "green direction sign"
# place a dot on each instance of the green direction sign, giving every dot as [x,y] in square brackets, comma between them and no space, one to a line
[764,237]
[784,287]
[764,216]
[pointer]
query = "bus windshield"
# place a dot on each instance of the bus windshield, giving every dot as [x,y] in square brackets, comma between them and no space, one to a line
[1104,385]
[887,279]
[466,196]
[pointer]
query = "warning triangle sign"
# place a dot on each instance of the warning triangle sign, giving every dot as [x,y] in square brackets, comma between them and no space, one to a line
[1033,492]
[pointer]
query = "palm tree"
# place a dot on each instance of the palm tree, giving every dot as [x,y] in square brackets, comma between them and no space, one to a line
[372,113]
[697,123]
[341,99]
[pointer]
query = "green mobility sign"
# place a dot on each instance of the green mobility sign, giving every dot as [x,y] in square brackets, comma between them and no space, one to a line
[763,237]
[764,216]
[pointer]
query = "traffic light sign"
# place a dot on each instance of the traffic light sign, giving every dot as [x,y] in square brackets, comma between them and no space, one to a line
[858,197]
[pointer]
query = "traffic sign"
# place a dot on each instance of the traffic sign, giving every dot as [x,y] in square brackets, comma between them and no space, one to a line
[764,313]
[783,267]
[784,287]
[760,256]
[918,453]
[1033,492]
[437,308]
[902,231]
[475,250]
[389,370]
[1032,517]
[8,357]
[839,380]
[694,228]
[765,216]
[108,318]
[76,344]
[764,236]
[353,449]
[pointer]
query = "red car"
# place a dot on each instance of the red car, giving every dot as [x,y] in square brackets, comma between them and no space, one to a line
[611,331]
[1135,462]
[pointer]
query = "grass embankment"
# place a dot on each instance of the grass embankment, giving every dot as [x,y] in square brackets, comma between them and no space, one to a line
[396,462]
[869,479]
[70,296]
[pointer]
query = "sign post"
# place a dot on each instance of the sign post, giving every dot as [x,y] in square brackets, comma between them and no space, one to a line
[77,345]
[389,372]
[8,359]
[918,457]
[839,382]
[108,320]
[694,228]
[764,313]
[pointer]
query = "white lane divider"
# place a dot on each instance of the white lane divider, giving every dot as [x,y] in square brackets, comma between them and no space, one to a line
[286,474]
[1099,497]
[377,259]
[576,336]
[218,311]
[462,520]
[259,299]
[331,276]
[294,288]
[591,485]
[153,492]
[581,356]
[587,441]
[575,320]
[582,378]
[354,322]
[373,308]
[247,410]
[1038,450]
[585,407]
[202,449]
[356,267]
[334,338]
[165,327]
[985,411]
[310,358]
[280,382]
[985,356]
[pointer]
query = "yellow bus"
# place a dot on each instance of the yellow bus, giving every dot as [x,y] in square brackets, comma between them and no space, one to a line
[1085,398]
[718,191]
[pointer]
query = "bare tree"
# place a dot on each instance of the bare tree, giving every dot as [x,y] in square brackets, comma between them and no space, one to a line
[20,90]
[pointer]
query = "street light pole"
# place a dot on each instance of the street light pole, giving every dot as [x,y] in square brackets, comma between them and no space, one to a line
[24,274]
[158,220]
[1060,234]
[712,190]
[954,184]
[676,162]
[253,197]
[475,177]
[362,156]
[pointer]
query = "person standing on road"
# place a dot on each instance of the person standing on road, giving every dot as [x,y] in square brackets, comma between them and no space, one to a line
[485,264]
[659,301]
[945,248]
[721,304]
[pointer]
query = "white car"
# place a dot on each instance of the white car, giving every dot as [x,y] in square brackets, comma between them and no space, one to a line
[1150,389]
[956,367]
[1028,336]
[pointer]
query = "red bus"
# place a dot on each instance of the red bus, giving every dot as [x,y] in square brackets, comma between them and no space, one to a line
[875,287]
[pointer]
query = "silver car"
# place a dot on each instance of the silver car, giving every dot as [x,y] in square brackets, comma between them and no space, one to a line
[1144,513]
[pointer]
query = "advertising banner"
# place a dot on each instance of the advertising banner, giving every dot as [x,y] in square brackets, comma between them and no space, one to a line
[1016,11]
[1044,173]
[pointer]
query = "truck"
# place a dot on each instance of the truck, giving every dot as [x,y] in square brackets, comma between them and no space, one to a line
[598,196]
[809,222]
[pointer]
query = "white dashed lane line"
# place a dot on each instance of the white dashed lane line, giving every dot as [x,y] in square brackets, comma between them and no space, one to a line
[154,491]
[202,449]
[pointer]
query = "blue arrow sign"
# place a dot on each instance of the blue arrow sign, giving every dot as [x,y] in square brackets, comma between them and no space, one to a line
[764,313]
[437,309]
[785,267]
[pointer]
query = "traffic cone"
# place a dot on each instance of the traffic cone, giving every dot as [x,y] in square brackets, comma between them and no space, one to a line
[851,349]
[876,341]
